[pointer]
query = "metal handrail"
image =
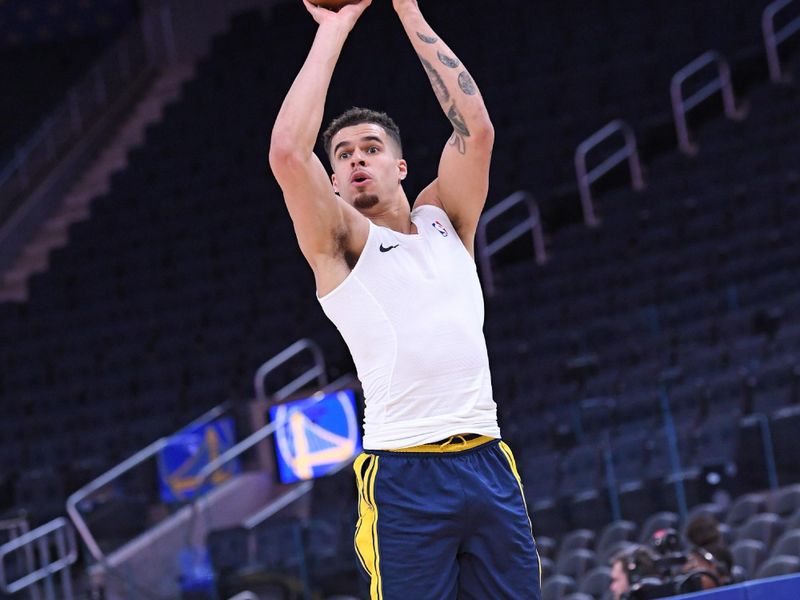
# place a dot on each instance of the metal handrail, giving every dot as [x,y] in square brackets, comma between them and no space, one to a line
[773,39]
[278,504]
[254,438]
[318,372]
[234,451]
[244,596]
[681,106]
[145,454]
[629,152]
[209,416]
[75,499]
[17,526]
[67,550]
[533,224]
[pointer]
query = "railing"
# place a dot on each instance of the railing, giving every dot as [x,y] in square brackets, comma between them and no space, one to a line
[56,533]
[82,494]
[316,372]
[84,102]
[532,223]
[773,39]
[74,501]
[252,440]
[16,527]
[682,106]
[244,596]
[586,178]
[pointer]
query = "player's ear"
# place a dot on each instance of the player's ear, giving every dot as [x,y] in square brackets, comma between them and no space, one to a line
[402,168]
[333,181]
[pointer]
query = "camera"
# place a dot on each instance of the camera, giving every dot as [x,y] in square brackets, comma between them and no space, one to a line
[670,566]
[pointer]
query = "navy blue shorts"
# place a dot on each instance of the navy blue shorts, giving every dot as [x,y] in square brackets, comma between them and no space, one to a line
[445,521]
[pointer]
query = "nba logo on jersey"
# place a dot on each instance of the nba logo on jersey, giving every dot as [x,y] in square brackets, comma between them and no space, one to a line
[440,228]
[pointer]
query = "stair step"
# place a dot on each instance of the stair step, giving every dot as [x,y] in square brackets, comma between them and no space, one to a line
[45,240]
[76,205]
[62,221]
[19,275]
[17,293]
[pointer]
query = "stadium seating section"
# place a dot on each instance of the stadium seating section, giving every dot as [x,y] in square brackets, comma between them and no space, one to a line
[681,307]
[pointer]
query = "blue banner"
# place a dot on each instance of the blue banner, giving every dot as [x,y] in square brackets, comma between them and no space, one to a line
[187,452]
[315,435]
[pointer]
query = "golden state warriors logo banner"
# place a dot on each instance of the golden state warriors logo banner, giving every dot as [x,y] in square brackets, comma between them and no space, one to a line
[315,435]
[187,452]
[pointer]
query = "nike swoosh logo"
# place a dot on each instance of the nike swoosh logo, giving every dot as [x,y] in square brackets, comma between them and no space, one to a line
[386,249]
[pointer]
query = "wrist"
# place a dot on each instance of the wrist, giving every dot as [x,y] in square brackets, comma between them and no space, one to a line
[335,33]
[407,10]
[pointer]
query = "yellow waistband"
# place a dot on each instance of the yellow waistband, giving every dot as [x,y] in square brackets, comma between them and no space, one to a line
[455,443]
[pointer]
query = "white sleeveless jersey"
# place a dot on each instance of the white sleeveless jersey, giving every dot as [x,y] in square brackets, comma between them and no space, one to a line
[411,313]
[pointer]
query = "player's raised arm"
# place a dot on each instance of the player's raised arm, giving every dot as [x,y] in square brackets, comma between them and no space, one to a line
[320,218]
[463,179]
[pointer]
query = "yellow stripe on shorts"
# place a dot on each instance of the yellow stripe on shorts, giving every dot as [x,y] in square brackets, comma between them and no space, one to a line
[513,464]
[366,536]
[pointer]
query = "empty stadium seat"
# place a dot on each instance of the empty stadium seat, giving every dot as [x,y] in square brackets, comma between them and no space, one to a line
[615,532]
[596,581]
[778,565]
[764,527]
[786,501]
[748,555]
[558,587]
[743,508]
[787,544]
[576,563]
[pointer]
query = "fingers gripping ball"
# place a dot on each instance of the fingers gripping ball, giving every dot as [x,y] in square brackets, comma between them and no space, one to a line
[332,4]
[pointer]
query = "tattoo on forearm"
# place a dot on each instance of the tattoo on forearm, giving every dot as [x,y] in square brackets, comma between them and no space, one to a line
[428,39]
[457,120]
[439,88]
[448,61]
[466,84]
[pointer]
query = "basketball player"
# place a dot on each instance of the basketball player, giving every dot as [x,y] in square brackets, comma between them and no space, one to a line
[441,509]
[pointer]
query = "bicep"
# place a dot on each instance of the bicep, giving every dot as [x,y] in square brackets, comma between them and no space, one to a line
[463,180]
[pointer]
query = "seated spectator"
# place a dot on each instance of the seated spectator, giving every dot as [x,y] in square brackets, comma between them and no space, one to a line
[630,570]
[708,550]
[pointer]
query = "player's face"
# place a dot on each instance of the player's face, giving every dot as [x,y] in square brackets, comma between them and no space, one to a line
[367,167]
[619,581]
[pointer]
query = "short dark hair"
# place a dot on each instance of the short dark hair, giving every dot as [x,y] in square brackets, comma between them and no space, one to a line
[703,530]
[637,561]
[356,116]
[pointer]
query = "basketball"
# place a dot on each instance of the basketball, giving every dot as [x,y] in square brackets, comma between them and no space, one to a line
[332,4]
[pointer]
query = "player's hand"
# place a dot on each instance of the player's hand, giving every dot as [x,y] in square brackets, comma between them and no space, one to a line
[346,16]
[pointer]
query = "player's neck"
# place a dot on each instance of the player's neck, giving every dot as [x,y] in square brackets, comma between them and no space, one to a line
[396,215]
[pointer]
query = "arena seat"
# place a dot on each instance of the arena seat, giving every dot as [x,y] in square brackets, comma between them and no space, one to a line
[778,565]
[743,508]
[558,587]
[748,555]
[579,539]
[764,527]
[575,563]
[596,581]
[787,544]
[615,532]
